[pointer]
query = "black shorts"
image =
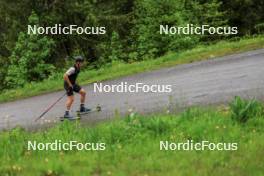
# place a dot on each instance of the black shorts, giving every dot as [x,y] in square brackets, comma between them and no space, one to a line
[75,88]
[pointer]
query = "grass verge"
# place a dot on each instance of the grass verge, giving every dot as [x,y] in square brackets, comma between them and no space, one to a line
[133,146]
[121,69]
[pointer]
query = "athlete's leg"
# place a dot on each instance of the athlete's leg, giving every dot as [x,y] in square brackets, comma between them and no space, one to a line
[82,92]
[83,95]
[69,102]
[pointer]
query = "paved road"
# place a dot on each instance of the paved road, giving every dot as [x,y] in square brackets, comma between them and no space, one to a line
[207,82]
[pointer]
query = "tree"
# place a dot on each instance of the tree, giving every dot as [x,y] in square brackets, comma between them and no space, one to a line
[207,13]
[245,14]
[148,16]
[28,59]
[115,47]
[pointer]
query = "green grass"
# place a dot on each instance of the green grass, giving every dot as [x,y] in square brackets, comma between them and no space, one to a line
[121,69]
[132,146]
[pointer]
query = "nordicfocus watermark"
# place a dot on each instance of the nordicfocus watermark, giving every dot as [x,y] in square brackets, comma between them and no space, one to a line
[203,145]
[58,145]
[124,87]
[58,29]
[191,29]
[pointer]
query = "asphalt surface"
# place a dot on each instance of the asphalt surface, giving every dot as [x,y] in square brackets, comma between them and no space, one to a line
[202,83]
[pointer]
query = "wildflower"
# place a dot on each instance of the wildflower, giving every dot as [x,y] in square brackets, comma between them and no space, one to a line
[14,167]
[49,172]
[46,160]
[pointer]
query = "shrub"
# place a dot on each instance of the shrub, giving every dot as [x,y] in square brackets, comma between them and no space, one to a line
[242,110]
[148,16]
[29,58]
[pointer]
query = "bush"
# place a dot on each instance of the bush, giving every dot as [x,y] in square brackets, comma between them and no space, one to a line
[242,110]
[29,58]
[148,43]
[4,64]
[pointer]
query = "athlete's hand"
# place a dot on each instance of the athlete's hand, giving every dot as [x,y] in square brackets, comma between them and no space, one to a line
[70,88]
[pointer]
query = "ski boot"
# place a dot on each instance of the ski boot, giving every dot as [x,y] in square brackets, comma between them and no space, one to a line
[83,109]
[68,116]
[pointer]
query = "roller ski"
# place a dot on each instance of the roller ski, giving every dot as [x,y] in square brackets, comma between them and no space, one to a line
[69,116]
[84,110]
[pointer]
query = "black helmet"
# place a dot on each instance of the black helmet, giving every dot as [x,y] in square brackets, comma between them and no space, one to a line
[78,59]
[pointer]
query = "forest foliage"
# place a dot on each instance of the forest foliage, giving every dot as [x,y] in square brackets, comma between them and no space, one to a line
[132,31]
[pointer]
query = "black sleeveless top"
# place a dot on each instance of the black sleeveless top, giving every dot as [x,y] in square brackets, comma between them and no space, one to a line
[73,76]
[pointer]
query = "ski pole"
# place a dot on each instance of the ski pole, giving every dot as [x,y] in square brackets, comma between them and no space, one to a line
[49,108]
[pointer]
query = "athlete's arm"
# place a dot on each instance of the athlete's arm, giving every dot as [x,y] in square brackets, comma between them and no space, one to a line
[66,78]
[66,75]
